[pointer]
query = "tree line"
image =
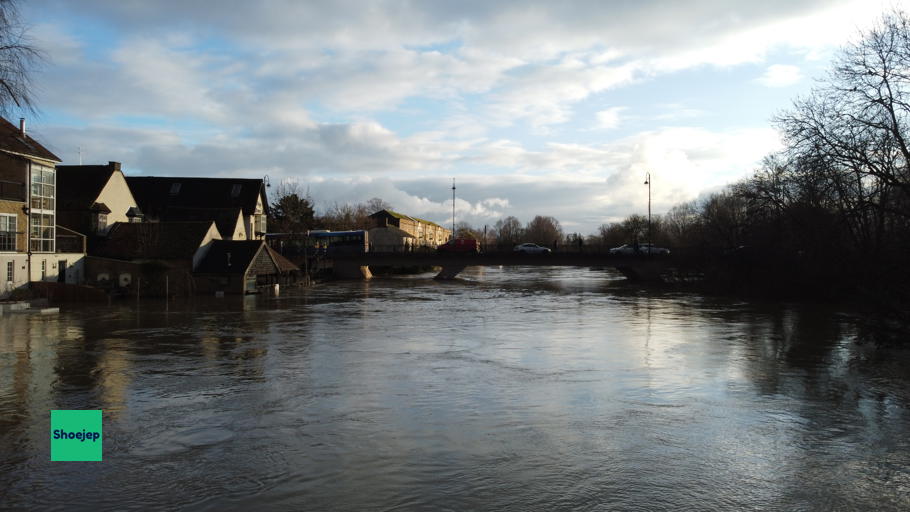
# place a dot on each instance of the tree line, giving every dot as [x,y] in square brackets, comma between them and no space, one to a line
[830,212]
[293,211]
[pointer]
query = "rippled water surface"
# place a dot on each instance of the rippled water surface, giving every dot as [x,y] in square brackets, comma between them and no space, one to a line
[508,389]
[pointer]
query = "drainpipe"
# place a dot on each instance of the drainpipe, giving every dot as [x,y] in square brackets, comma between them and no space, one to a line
[28,220]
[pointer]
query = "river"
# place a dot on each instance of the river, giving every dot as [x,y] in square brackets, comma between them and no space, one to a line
[545,388]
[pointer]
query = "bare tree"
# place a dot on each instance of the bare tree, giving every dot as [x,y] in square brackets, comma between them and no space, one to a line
[544,231]
[847,143]
[18,57]
[465,230]
[508,232]
[377,204]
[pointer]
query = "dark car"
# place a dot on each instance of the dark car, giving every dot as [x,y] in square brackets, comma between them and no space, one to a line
[460,245]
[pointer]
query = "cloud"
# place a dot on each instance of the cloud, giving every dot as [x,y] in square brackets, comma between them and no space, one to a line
[392,99]
[780,75]
[609,119]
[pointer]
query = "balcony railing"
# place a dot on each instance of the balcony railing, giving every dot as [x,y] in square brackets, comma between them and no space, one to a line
[69,240]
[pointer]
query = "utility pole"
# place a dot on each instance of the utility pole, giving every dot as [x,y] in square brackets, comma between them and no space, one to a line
[648,183]
[453,208]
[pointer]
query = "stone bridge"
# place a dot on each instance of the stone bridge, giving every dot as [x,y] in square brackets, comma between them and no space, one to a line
[639,268]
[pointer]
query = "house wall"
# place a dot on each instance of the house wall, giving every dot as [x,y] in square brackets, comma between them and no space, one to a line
[249,221]
[20,272]
[117,196]
[239,231]
[386,240]
[157,277]
[13,168]
[262,264]
[425,233]
[50,271]
[16,208]
[227,283]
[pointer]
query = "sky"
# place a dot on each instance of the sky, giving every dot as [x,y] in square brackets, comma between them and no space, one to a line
[533,107]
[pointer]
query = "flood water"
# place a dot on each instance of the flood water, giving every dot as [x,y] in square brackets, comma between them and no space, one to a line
[508,389]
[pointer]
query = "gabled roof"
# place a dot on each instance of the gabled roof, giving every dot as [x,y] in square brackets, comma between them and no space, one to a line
[236,256]
[78,186]
[403,216]
[284,264]
[12,141]
[155,195]
[229,256]
[225,218]
[153,240]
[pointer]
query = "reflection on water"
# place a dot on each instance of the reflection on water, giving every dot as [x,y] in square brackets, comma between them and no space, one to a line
[508,389]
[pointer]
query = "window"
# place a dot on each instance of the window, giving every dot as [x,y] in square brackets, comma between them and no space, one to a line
[7,232]
[100,222]
[43,187]
[235,190]
[43,269]
[42,204]
[175,189]
[10,272]
[260,226]
[42,232]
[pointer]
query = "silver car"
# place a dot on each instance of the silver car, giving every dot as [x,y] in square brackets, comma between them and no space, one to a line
[530,248]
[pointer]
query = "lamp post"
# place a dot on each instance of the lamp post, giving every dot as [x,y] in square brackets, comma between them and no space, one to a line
[453,208]
[648,183]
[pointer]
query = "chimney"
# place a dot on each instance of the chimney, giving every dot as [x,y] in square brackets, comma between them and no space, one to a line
[22,126]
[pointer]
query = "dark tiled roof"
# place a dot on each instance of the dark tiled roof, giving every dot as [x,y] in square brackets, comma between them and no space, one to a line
[79,185]
[235,257]
[153,240]
[397,215]
[100,208]
[224,218]
[284,264]
[156,195]
[11,140]
[229,256]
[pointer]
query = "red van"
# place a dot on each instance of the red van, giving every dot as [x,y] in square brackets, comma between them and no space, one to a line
[460,245]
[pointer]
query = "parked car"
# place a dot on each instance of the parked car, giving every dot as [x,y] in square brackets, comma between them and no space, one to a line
[531,249]
[638,250]
[460,245]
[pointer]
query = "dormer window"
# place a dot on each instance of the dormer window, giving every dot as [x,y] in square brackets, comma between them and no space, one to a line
[99,217]
[175,189]
[134,214]
[235,190]
[101,223]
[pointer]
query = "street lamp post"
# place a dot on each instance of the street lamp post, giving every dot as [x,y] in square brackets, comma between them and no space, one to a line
[648,183]
[453,208]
